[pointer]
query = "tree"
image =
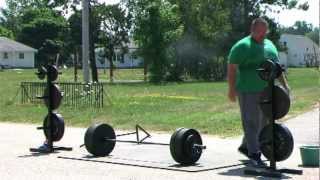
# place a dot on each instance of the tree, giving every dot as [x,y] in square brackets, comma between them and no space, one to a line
[205,26]
[116,23]
[42,29]
[6,33]
[156,27]
[75,24]
[299,28]
[10,16]
[314,35]
[74,39]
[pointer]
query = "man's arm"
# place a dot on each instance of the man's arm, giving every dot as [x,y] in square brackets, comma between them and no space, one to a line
[232,69]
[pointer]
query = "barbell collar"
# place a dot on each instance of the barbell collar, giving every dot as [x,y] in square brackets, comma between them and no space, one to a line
[42,97]
[199,146]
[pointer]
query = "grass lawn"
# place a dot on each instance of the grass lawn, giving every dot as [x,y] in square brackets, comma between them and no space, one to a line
[200,105]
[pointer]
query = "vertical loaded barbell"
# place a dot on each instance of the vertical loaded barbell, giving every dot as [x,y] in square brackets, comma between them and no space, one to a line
[53,124]
[276,141]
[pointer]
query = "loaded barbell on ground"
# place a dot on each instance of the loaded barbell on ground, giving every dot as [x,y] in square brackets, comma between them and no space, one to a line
[185,144]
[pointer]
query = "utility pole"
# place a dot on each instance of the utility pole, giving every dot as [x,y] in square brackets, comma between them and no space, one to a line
[85,40]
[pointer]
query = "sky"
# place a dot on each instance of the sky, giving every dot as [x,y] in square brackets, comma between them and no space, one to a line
[285,17]
[289,17]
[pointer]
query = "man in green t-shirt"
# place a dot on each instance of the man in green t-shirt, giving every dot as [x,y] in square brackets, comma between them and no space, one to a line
[244,58]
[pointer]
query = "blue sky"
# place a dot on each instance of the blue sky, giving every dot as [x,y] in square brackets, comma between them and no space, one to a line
[285,17]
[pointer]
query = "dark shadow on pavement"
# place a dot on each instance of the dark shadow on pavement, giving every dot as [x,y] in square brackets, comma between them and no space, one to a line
[239,172]
[36,154]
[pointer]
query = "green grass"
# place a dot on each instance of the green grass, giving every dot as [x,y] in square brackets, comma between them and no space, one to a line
[200,105]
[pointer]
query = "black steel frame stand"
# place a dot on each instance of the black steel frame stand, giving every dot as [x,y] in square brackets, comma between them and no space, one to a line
[50,125]
[272,170]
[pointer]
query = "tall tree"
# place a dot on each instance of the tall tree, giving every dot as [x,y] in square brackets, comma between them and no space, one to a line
[314,35]
[299,28]
[156,27]
[244,11]
[75,25]
[5,32]
[205,26]
[116,23]
[42,29]
[10,16]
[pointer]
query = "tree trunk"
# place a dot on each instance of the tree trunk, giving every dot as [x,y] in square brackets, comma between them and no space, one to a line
[145,71]
[105,65]
[75,64]
[111,68]
[246,17]
[94,71]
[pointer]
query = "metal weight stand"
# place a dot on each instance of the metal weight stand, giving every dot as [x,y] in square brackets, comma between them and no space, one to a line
[272,170]
[50,125]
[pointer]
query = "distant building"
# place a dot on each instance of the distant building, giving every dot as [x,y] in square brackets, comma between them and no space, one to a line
[127,60]
[301,51]
[16,55]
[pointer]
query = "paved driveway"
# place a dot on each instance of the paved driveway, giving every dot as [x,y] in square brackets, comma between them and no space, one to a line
[220,161]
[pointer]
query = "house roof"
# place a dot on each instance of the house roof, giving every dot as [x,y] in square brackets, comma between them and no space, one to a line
[8,45]
[299,38]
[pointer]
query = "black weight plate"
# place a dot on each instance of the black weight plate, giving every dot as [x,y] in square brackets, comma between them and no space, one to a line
[58,126]
[42,71]
[269,70]
[95,142]
[280,103]
[52,72]
[55,95]
[173,149]
[181,146]
[265,70]
[283,142]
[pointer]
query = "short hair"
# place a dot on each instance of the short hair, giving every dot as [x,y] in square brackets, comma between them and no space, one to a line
[258,21]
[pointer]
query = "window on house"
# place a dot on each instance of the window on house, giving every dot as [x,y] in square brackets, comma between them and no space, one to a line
[120,58]
[5,55]
[21,55]
[134,56]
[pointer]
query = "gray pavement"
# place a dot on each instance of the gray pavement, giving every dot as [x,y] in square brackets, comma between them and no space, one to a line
[220,161]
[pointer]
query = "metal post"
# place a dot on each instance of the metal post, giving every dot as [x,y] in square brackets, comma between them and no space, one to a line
[272,122]
[50,109]
[85,40]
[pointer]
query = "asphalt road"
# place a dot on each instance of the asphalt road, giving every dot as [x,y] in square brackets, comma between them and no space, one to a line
[130,161]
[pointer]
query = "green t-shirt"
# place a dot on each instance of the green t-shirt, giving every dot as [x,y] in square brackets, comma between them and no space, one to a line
[248,55]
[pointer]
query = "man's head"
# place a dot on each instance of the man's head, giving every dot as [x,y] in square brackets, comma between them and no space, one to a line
[259,29]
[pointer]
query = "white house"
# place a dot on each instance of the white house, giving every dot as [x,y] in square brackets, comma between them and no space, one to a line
[128,60]
[14,54]
[301,51]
